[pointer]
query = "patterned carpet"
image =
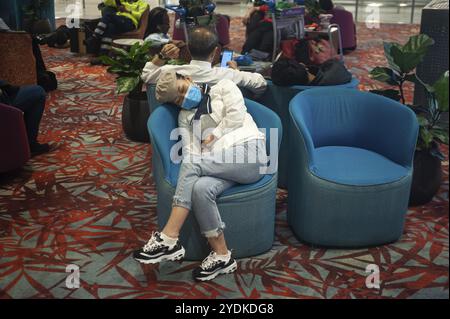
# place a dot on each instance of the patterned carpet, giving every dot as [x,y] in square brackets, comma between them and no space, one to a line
[92,201]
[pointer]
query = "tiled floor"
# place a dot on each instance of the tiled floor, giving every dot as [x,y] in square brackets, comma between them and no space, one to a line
[389,12]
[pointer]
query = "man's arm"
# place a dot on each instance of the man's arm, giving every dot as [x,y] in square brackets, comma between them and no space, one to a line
[253,82]
[152,69]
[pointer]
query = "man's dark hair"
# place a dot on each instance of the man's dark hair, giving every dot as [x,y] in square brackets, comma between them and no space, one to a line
[202,42]
[326,5]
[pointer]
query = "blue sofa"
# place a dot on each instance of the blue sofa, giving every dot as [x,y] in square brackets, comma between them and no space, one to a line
[247,210]
[350,166]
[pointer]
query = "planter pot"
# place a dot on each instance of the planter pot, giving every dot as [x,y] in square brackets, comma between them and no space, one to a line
[427,178]
[42,27]
[135,113]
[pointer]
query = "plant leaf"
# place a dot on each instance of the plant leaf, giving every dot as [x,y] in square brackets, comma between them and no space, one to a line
[440,88]
[387,53]
[412,53]
[385,75]
[127,84]
[108,60]
[120,51]
[426,137]
[423,121]
[440,135]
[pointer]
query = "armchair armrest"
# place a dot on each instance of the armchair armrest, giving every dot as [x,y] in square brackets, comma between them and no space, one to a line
[161,123]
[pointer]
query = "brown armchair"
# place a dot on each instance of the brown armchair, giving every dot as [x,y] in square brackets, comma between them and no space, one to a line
[17,62]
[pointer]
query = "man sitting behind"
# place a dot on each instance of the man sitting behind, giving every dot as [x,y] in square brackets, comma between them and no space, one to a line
[203,45]
[118,16]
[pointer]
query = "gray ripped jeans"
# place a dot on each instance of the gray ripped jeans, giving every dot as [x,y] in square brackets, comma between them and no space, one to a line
[201,181]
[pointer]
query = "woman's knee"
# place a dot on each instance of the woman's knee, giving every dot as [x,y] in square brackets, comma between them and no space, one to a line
[203,191]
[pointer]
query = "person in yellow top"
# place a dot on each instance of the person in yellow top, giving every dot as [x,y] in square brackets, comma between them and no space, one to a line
[118,16]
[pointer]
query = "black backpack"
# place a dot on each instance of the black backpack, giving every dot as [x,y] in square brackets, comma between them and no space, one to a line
[332,72]
[288,72]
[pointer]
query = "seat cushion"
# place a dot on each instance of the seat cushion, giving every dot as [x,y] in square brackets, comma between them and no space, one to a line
[238,188]
[355,166]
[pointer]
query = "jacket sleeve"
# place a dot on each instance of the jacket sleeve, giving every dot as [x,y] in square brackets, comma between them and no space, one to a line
[254,82]
[151,72]
[235,110]
[140,9]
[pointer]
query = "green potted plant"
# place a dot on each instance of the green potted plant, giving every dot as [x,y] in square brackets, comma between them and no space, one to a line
[402,62]
[314,10]
[33,17]
[128,66]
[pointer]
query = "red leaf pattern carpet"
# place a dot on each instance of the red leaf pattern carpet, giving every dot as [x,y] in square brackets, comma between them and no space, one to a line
[92,200]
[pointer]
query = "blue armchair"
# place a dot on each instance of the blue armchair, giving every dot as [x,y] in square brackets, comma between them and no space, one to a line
[350,167]
[247,210]
[277,98]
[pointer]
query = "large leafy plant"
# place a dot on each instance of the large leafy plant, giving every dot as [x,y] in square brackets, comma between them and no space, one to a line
[128,65]
[402,62]
[313,8]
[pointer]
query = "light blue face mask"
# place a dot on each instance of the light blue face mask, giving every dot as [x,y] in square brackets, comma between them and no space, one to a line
[192,98]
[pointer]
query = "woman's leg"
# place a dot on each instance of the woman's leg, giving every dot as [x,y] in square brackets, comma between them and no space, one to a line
[204,195]
[176,220]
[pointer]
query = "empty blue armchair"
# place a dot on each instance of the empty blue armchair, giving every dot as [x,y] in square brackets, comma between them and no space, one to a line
[277,98]
[350,167]
[247,210]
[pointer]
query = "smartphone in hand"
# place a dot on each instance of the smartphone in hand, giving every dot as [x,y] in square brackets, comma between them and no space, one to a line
[227,55]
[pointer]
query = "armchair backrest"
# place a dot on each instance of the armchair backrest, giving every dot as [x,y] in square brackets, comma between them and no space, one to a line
[341,117]
[17,62]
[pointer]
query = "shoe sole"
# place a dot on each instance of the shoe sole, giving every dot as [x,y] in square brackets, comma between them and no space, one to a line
[176,256]
[230,269]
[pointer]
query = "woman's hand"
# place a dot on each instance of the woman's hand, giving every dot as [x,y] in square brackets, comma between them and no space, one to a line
[206,144]
[208,140]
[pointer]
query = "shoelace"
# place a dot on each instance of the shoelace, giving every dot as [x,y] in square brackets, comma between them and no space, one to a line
[152,243]
[209,261]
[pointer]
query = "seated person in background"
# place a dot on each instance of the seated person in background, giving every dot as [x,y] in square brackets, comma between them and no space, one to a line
[197,8]
[31,100]
[203,46]
[118,16]
[328,5]
[227,130]
[45,79]
[158,26]
[345,21]
[259,29]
